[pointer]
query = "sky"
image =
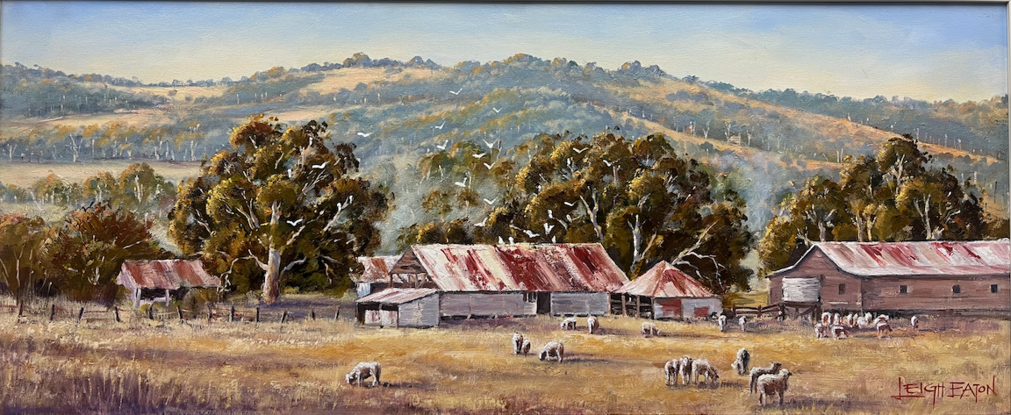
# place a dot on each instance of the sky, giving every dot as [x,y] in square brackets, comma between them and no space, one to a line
[930,52]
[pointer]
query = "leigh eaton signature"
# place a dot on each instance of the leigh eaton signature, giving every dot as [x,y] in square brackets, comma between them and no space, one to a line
[950,389]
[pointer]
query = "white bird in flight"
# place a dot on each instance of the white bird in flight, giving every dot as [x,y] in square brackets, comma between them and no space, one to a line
[477,156]
[463,183]
[490,145]
[320,166]
[456,92]
[364,134]
[489,166]
[580,150]
[491,202]
[439,127]
[481,223]
[569,204]
[496,110]
[295,223]
[443,146]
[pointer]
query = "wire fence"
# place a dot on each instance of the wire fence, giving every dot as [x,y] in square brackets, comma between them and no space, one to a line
[211,313]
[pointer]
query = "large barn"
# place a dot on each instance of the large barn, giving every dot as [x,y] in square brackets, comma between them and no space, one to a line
[665,292]
[899,276]
[514,280]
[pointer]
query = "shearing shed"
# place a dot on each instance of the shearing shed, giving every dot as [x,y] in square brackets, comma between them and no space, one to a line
[665,292]
[162,280]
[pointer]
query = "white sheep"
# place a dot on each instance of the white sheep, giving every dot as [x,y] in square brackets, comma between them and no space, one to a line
[820,330]
[363,371]
[569,324]
[686,370]
[701,367]
[868,316]
[743,322]
[671,369]
[741,363]
[759,371]
[863,323]
[649,329]
[772,385]
[592,325]
[525,349]
[883,328]
[722,321]
[839,332]
[553,349]
[882,317]
[835,319]
[517,342]
[826,318]
[914,323]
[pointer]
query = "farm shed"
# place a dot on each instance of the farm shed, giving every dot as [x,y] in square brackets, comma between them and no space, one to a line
[912,277]
[665,292]
[399,307]
[376,275]
[150,281]
[515,280]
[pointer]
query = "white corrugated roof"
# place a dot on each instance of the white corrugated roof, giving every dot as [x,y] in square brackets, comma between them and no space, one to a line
[871,259]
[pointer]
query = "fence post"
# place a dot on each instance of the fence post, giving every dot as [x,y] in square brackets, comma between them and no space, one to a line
[312,314]
[231,314]
[759,312]
[284,316]
[210,312]
[179,310]
[79,316]
[150,311]
[337,314]
[21,309]
[52,312]
[116,310]
[257,314]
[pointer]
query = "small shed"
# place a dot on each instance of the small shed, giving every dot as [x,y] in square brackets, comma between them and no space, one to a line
[665,292]
[151,281]
[399,307]
[376,275]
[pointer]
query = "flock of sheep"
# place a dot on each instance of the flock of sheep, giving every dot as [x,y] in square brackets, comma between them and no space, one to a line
[768,381]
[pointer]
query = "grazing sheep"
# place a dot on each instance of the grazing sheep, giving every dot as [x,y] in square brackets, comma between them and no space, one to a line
[743,322]
[772,385]
[722,321]
[835,319]
[649,329]
[569,323]
[701,367]
[553,349]
[869,317]
[517,342]
[882,317]
[863,323]
[914,323]
[759,371]
[671,369]
[820,330]
[826,317]
[741,363]
[686,370]
[363,371]
[883,328]
[525,349]
[839,332]
[592,325]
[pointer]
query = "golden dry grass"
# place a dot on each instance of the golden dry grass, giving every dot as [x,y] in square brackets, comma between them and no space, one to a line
[25,174]
[467,367]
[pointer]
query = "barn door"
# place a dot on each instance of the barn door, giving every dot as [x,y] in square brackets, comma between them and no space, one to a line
[543,302]
[388,318]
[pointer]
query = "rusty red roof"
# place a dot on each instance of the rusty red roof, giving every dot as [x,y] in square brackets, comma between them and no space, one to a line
[520,267]
[666,281]
[936,258]
[397,295]
[377,268]
[165,274]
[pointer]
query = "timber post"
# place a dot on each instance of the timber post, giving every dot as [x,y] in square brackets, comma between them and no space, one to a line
[116,311]
[231,314]
[79,316]
[257,314]
[52,312]
[284,316]
[179,310]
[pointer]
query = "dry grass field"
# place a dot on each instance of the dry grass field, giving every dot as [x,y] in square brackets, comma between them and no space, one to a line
[25,174]
[466,366]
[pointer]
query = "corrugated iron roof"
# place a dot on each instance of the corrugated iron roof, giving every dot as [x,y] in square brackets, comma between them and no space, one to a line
[397,295]
[937,258]
[377,268]
[521,267]
[165,274]
[666,281]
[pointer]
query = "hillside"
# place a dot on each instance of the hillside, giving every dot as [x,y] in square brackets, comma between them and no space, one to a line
[396,112]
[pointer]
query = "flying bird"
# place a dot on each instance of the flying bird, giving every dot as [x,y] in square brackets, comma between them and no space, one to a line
[490,145]
[456,92]
[569,204]
[580,150]
[320,166]
[477,156]
[489,166]
[295,223]
[496,110]
[364,134]
[491,202]
[481,223]
[439,127]
[443,146]
[463,183]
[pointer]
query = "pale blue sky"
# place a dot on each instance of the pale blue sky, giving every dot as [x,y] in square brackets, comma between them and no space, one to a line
[926,52]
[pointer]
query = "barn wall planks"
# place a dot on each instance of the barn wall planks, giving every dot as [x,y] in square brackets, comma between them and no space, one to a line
[486,304]
[700,307]
[423,312]
[884,293]
[579,303]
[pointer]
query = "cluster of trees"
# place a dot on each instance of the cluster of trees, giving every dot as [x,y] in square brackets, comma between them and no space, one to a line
[897,195]
[42,92]
[138,189]
[112,140]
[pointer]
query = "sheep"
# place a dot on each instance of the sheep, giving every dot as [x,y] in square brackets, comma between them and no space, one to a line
[772,385]
[835,319]
[839,332]
[741,363]
[553,349]
[759,371]
[569,324]
[868,316]
[863,323]
[686,369]
[363,371]
[743,322]
[882,317]
[820,330]
[825,317]
[883,328]
[702,367]
[671,369]
[517,342]
[722,321]
[914,323]
[592,325]
[525,349]
[649,329]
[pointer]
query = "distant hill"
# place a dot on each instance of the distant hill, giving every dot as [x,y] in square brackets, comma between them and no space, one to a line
[397,111]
